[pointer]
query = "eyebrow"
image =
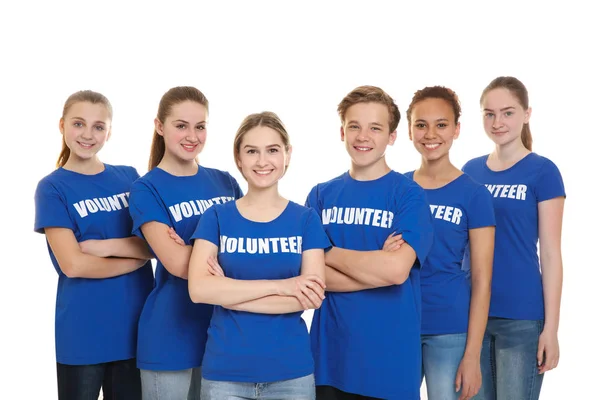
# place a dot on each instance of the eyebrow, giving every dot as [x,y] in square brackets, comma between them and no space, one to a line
[185,122]
[256,147]
[370,123]
[437,120]
[83,119]
[502,109]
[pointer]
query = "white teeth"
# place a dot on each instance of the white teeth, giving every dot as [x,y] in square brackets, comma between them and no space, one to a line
[263,172]
[363,148]
[432,146]
[85,144]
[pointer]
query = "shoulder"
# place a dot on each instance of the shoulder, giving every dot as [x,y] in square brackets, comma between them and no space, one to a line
[126,170]
[52,181]
[332,183]
[476,162]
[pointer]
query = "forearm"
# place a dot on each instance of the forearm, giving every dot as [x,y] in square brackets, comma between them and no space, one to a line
[478,316]
[177,262]
[273,304]
[92,267]
[339,282]
[373,268]
[223,291]
[130,247]
[552,279]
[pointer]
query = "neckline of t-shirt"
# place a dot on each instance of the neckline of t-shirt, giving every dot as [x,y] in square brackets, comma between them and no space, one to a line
[441,187]
[179,176]
[260,222]
[488,169]
[349,178]
[106,166]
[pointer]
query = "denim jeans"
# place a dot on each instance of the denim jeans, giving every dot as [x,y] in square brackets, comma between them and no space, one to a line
[509,360]
[119,380]
[442,355]
[171,385]
[292,389]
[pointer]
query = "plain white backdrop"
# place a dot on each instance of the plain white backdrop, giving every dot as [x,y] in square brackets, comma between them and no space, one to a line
[297,59]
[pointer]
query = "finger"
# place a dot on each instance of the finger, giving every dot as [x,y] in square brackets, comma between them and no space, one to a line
[303,300]
[540,355]
[318,290]
[312,297]
[316,278]
[458,382]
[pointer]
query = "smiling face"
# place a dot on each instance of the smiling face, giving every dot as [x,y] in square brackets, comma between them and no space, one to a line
[85,128]
[184,131]
[503,116]
[263,157]
[366,133]
[432,128]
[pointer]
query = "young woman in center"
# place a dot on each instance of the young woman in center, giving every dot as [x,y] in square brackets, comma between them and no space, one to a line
[261,261]
[454,308]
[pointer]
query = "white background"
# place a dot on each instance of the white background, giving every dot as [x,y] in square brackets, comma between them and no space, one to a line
[297,59]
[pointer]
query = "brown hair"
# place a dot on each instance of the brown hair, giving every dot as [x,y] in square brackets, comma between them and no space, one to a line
[370,94]
[435,92]
[171,98]
[519,91]
[79,97]
[267,119]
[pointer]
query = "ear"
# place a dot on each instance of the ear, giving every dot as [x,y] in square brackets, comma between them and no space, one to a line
[289,155]
[342,135]
[457,131]
[392,138]
[109,134]
[158,126]
[527,115]
[61,126]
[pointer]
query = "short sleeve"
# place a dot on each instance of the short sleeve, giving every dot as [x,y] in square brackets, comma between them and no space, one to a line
[208,227]
[134,174]
[312,201]
[481,209]
[51,209]
[549,183]
[413,220]
[237,190]
[314,236]
[145,206]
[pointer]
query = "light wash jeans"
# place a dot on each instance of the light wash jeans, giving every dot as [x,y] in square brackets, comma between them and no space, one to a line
[509,360]
[292,389]
[171,385]
[442,355]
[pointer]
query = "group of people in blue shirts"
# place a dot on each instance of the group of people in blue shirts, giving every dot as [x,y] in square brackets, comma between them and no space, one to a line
[431,275]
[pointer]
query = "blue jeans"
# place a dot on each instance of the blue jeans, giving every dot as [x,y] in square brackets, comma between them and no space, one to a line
[119,380]
[442,355]
[168,385]
[291,389]
[509,360]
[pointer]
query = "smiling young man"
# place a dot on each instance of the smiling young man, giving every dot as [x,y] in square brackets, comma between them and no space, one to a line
[366,335]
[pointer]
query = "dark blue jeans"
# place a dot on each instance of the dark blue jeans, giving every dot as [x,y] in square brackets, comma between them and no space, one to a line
[509,360]
[119,380]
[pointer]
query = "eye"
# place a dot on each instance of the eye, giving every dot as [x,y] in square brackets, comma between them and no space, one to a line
[180,126]
[375,128]
[353,127]
[273,150]
[508,113]
[251,151]
[442,125]
[201,127]
[78,124]
[488,115]
[420,125]
[99,128]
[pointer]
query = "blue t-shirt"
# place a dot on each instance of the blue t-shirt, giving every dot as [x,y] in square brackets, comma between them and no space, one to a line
[369,342]
[456,207]
[172,330]
[516,191]
[96,319]
[252,347]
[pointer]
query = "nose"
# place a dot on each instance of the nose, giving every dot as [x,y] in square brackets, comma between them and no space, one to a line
[363,135]
[87,133]
[262,160]
[431,133]
[497,123]
[192,136]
